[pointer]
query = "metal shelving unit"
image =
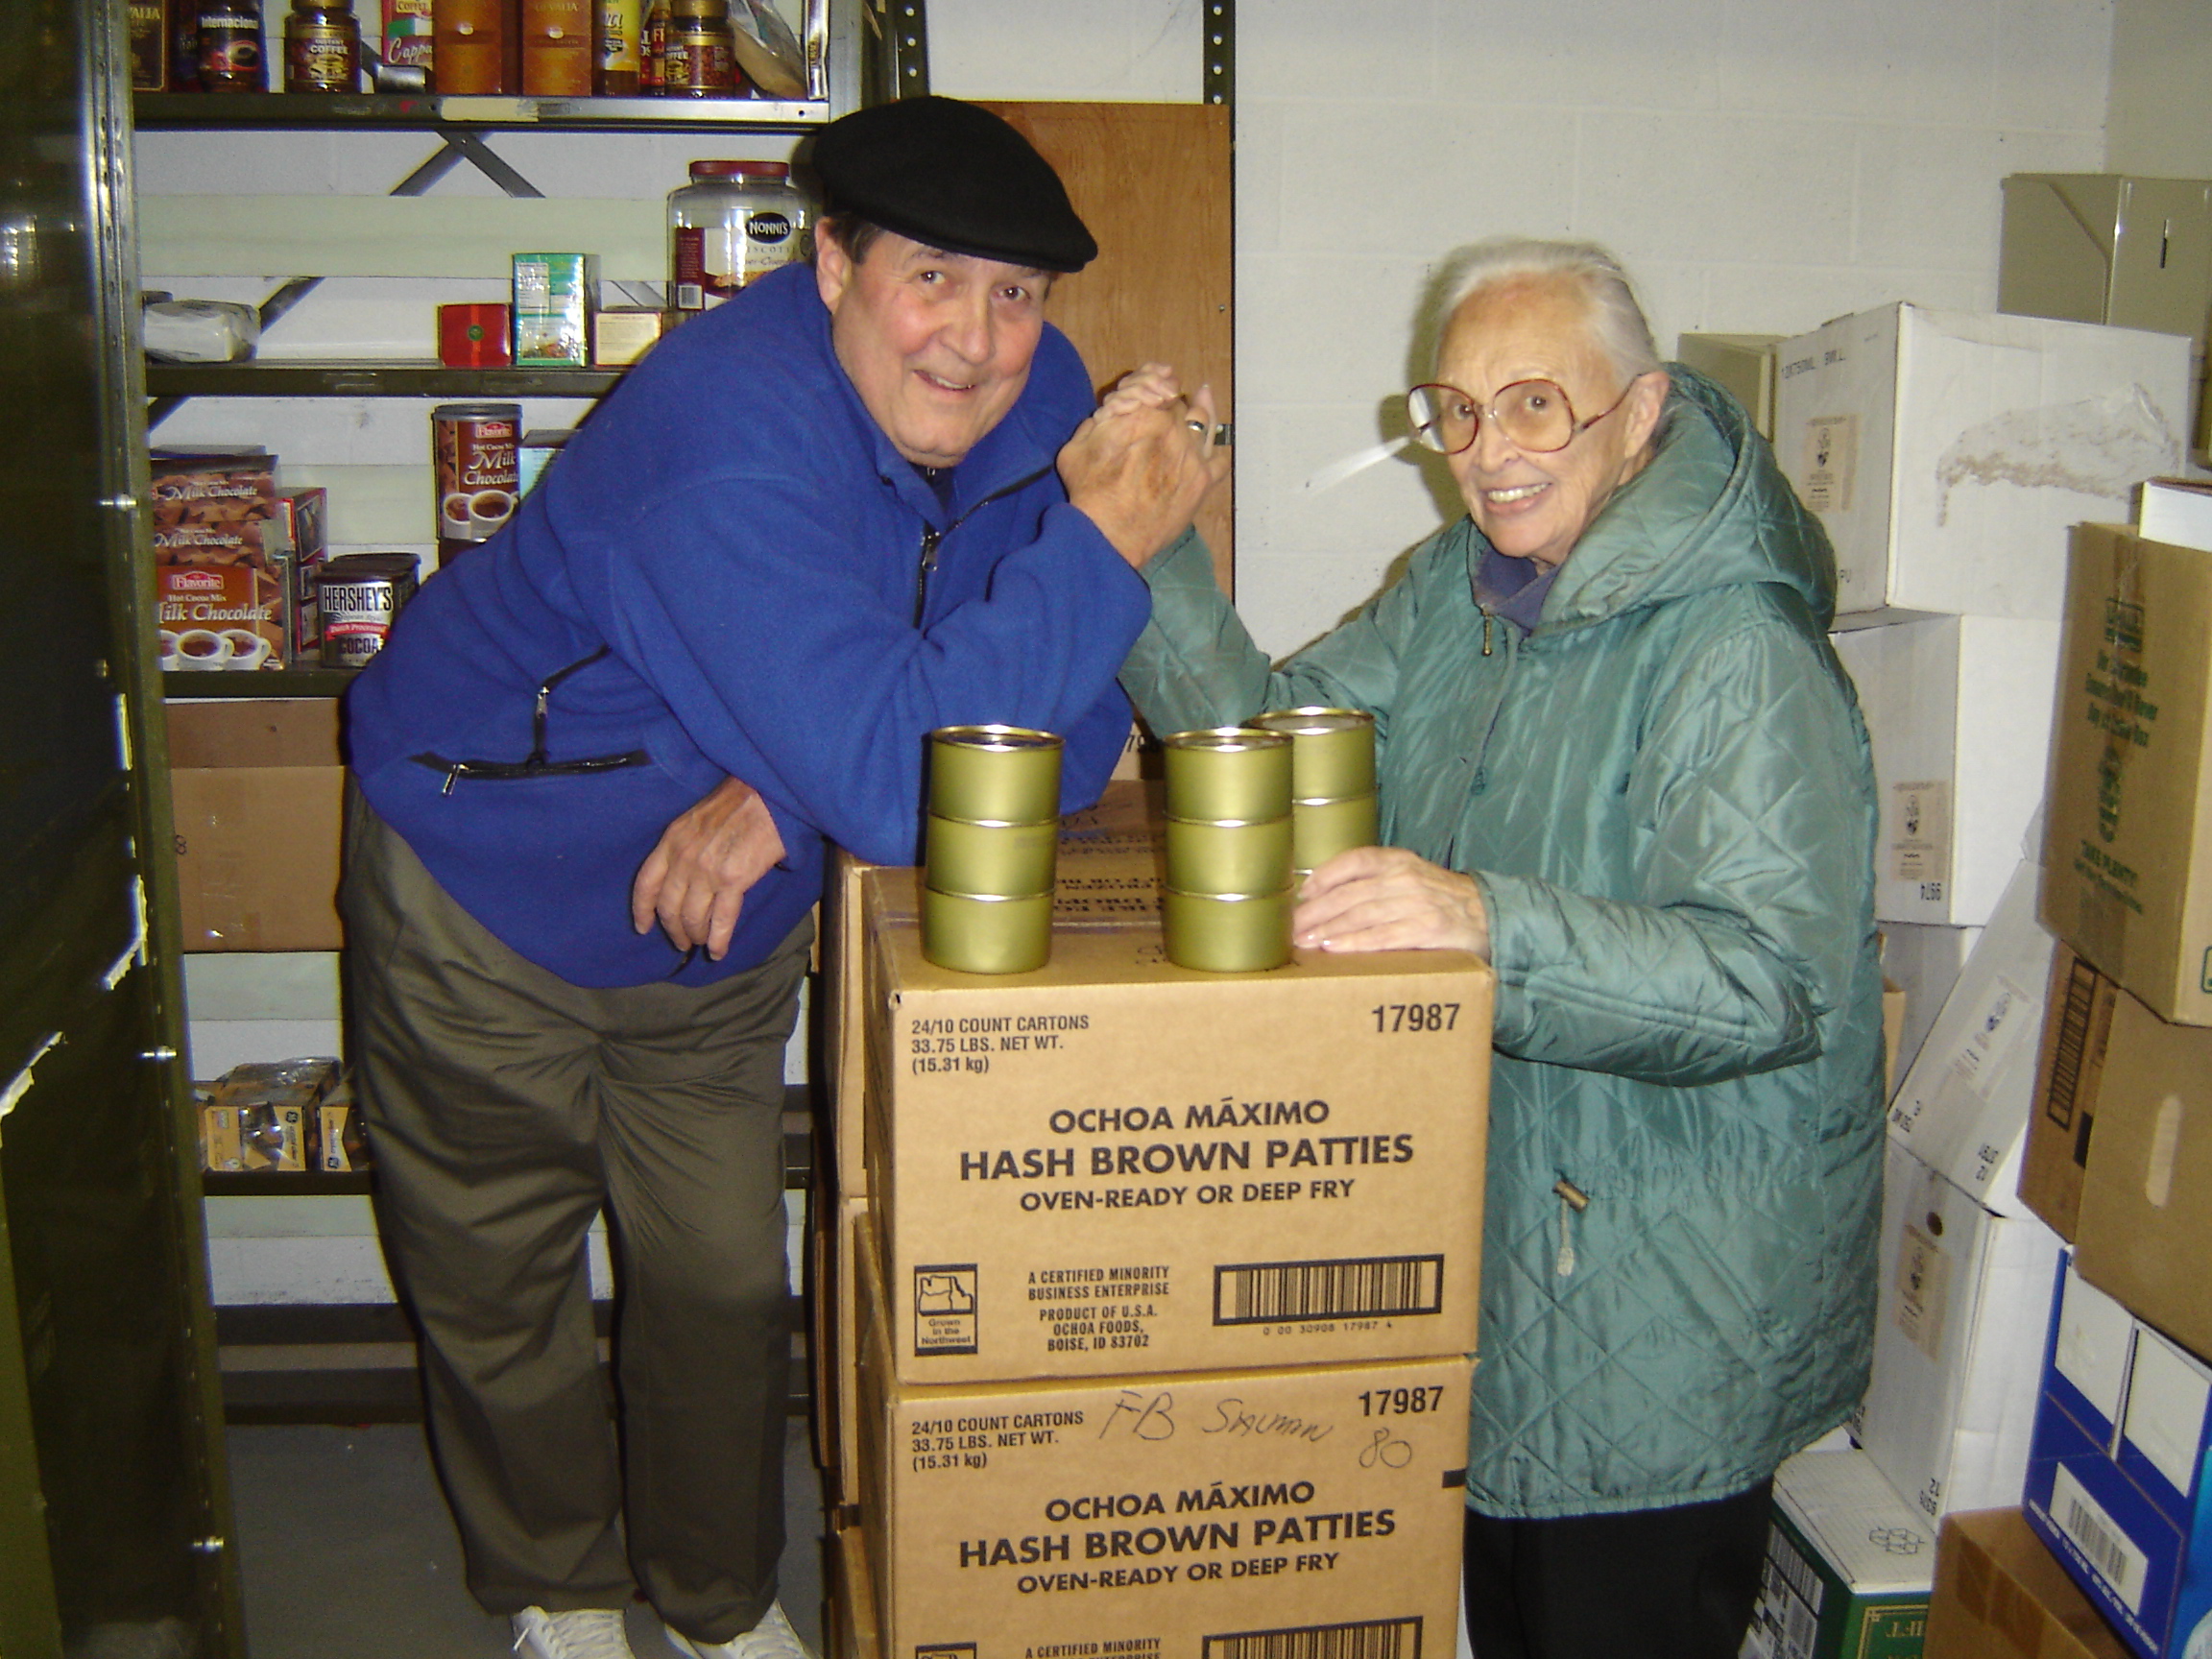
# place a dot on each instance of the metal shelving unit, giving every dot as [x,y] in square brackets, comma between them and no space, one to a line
[175,111]
[370,379]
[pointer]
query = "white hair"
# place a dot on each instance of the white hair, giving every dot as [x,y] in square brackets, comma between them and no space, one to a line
[1617,321]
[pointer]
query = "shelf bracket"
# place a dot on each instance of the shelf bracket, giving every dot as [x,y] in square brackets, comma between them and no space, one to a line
[1217,52]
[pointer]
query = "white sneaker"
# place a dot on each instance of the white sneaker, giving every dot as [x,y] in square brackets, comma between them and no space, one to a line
[773,1638]
[586,1633]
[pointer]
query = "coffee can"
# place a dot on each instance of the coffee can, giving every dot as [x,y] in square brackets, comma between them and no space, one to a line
[1011,860]
[1228,774]
[474,463]
[1227,932]
[1332,749]
[358,596]
[995,773]
[985,933]
[1215,858]
[1320,830]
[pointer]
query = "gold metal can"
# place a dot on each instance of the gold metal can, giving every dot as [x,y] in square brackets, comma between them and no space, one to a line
[1228,932]
[1320,830]
[1332,751]
[1007,860]
[994,774]
[1229,858]
[982,933]
[1228,774]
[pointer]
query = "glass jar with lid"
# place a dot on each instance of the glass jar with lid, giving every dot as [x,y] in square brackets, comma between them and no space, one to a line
[321,47]
[736,222]
[698,57]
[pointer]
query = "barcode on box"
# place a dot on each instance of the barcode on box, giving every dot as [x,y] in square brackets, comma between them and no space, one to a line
[2071,1045]
[2122,1567]
[1790,1598]
[1377,1639]
[1268,1292]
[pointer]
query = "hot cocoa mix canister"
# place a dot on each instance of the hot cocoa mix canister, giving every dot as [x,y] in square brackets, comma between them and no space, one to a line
[473,461]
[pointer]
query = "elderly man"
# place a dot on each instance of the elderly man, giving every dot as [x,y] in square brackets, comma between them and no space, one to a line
[1618,758]
[812,525]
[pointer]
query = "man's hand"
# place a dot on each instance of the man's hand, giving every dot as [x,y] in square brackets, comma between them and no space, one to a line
[1141,467]
[1385,898]
[696,880]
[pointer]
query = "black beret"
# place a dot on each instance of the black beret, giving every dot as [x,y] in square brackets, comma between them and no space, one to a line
[953,176]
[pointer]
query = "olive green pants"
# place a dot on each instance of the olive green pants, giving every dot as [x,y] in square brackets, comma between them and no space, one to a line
[505,1108]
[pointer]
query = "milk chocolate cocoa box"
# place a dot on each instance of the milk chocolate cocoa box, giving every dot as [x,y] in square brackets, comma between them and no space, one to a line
[1114,1164]
[219,587]
[1291,1514]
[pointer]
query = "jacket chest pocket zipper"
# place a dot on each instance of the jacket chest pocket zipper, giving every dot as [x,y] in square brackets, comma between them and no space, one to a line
[931,537]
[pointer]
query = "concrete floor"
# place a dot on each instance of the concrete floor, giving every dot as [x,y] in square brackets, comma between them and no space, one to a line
[348,1551]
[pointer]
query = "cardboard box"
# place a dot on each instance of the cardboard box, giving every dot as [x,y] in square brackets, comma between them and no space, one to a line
[2069,1078]
[2001,1595]
[2120,1481]
[2145,1232]
[1958,713]
[553,296]
[254,1138]
[1848,1569]
[1108,872]
[849,1627]
[841,1234]
[298,542]
[2107,248]
[624,333]
[1924,962]
[1744,364]
[1947,452]
[1302,1512]
[1963,1305]
[1963,1107]
[2178,512]
[2127,842]
[257,785]
[219,579]
[1114,1164]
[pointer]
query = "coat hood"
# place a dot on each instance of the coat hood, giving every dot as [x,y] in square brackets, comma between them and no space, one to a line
[1712,511]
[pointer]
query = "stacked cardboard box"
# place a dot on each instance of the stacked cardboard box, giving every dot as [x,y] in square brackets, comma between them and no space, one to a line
[1166,1283]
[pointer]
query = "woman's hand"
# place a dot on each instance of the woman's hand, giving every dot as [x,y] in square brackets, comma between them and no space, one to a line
[1142,464]
[1385,898]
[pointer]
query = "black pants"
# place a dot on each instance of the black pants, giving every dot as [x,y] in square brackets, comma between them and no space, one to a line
[506,1107]
[1646,1584]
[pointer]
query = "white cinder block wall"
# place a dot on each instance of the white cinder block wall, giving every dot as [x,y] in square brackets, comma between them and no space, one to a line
[1761,165]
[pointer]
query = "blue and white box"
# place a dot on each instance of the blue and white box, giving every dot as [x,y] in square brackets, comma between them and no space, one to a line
[2119,1471]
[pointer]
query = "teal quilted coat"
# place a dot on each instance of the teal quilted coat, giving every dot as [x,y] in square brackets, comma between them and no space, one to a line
[1665,793]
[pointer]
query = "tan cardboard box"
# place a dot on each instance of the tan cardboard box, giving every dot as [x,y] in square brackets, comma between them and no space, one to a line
[1107,871]
[1306,1511]
[2145,1233]
[257,785]
[1742,363]
[254,1138]
[1947,452]
[1114,1164]
[841,1234]
[2069,1076]
[851,1630]
[2001,1595]
[2127,839]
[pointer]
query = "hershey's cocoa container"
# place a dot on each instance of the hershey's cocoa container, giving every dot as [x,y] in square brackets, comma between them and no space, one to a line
[358,596]
[473,461]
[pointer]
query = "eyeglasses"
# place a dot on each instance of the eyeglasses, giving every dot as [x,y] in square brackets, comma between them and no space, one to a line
[1532,415]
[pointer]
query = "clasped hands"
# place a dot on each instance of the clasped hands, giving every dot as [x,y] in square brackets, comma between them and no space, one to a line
[1140,465]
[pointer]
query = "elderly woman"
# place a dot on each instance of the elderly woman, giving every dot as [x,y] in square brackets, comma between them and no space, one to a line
[1620,760]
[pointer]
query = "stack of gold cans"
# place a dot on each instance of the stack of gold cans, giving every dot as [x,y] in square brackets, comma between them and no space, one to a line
[994,829]
[1331,781]
[1227,904]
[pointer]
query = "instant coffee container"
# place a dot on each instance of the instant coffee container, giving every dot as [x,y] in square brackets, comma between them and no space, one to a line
[1333,804]
[476,468]
[1228,900]
[358,596]
[992,840]
[321,47]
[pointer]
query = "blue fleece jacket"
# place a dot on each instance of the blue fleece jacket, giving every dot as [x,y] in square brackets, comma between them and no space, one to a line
[741,539]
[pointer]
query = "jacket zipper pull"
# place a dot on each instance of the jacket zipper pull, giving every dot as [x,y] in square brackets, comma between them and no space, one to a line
[1485,633]
[1572,1201]
[452,774]
[930,540]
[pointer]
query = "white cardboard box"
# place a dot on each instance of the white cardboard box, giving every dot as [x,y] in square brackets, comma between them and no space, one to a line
[1963,1108]
[1849,1567]
[1948,452]
[1958,713]
[1965,1303]
[1924,962]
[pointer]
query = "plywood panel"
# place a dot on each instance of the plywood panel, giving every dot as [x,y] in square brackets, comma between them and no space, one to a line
[1153,182]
